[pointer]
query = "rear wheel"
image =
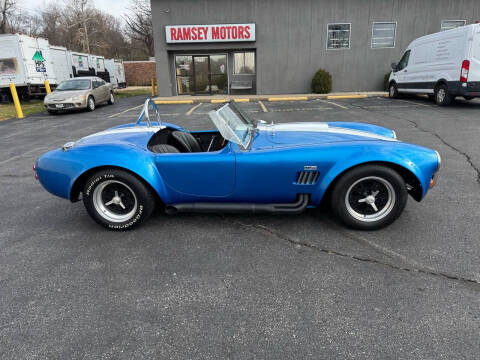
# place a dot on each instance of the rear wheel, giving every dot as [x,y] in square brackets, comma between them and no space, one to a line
[117,200]
[468,98]
[369,197]
[442,97]
[393,91]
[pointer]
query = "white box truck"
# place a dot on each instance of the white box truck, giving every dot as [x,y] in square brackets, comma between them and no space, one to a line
[81,65]
[62,63]
[443,65]
[97,63]
[116,72]
[27,62]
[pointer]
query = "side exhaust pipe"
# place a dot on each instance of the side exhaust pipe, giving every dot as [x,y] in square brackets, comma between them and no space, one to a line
[253,208]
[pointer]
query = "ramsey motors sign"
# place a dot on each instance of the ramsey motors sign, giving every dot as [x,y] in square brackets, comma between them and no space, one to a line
[210,33]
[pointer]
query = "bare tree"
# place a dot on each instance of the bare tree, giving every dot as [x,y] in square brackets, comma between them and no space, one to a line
[82,12]
[7,7]
[139,23]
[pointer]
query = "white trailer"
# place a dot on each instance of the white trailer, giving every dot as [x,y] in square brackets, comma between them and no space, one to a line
[27,62]
[62,63]
[116,72]
[97,63]
[81,64]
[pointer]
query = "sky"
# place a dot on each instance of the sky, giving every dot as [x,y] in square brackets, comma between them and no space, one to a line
[113,7]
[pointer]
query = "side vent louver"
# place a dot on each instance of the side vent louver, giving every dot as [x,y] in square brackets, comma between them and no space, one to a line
[307,177]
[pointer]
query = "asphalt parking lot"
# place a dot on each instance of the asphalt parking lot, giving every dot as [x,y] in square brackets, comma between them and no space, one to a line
[237,286]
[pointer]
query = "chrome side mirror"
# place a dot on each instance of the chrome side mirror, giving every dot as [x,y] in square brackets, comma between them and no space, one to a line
[144,113]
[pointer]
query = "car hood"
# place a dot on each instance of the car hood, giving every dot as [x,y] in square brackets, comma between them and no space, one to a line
[311,133]
[62,95]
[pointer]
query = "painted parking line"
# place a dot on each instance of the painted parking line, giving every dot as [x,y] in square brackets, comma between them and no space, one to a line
[123,112]
[334,97]
[413,102]
[189,112]
[173,102]
[264,108]
[332,103]
[302,109]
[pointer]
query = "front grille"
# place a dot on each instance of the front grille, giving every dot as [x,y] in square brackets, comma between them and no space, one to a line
[307,177]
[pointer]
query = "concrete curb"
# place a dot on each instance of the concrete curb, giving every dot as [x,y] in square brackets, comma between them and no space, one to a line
[270,98]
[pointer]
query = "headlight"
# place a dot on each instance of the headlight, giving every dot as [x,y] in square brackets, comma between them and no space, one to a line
[78,98]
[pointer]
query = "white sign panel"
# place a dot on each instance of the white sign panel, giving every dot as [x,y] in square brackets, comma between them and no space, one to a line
[209,33]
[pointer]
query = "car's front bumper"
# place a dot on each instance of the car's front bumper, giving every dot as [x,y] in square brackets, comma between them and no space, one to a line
[55,105]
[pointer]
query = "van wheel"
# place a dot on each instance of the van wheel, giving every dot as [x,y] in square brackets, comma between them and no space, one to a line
[442,97]
[468,98]
[393,91]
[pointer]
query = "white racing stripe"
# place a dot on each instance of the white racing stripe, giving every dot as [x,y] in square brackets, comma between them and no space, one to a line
[322,127]
[134,129]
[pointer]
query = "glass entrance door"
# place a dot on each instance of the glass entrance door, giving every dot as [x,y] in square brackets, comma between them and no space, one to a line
[201,66]
[201,74]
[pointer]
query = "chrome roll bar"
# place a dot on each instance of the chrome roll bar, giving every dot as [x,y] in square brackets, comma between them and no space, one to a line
[144,113]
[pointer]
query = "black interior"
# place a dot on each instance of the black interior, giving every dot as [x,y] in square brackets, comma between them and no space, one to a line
[173,141]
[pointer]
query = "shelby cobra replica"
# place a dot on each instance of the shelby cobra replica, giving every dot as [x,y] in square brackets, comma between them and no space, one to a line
[242,166]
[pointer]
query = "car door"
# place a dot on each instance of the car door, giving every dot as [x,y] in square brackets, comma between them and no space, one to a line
[105,91]
[201,175]
[402,71]
[96,91]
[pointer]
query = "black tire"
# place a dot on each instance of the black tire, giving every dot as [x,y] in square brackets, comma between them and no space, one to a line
[393,91]
[131,201]
[468,98]
[431,97]
[90,103]
[351,202]
[52,112]
[111,100]
[442,96]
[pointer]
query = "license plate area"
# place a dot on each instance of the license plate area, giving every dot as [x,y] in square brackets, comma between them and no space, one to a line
[59,105]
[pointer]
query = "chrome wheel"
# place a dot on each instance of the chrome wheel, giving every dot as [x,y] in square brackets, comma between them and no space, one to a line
[392,91]
[370,199]
[114,201]
[112,98]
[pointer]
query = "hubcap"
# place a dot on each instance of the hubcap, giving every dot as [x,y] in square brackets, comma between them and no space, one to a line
[115,201]
[441,95]
[112,99]
[370,199]
[91,103]
[392,91]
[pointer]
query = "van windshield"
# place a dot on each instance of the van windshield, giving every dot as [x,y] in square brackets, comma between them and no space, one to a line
[73,85]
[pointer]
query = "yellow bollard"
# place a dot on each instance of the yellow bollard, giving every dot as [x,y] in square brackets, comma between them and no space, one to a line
[153,86]
[47,87]
[16,102]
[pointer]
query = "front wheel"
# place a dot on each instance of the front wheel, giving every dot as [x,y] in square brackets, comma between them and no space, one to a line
[369,197]
[111,100]
[393,91]
[117,200]
[90,103]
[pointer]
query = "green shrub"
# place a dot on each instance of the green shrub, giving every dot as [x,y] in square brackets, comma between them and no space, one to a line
[385,81]
[322,82]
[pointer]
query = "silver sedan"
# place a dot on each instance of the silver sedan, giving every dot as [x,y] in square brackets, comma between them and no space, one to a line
[79,93]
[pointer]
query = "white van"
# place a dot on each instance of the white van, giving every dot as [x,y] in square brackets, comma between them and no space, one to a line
[442,65]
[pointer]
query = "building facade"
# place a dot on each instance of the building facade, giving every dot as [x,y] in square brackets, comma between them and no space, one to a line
[276,46]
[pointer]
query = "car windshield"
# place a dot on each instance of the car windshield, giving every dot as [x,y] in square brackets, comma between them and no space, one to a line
[233,124]
[73,85]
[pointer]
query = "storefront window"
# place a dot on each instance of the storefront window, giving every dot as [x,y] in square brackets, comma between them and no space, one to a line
[184,72]
[244,63]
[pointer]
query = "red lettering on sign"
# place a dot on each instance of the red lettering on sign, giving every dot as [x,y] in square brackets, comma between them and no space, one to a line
[173,33]
[228,32]
[194,33]
[205,32]
[234,32]
[179,34]
[222,32]
[186,33]
[215,33]
[240,32]
[247,32]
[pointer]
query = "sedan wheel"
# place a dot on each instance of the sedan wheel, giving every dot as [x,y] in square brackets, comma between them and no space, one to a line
[111,100]
[90,103]
[117,200]
[369,197]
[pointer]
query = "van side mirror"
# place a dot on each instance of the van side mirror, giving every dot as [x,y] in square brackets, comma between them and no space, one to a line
[394,67]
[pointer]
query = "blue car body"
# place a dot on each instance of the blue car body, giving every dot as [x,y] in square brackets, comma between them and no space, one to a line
[267,172]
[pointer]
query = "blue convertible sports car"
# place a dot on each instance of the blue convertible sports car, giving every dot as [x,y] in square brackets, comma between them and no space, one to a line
[243,166]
